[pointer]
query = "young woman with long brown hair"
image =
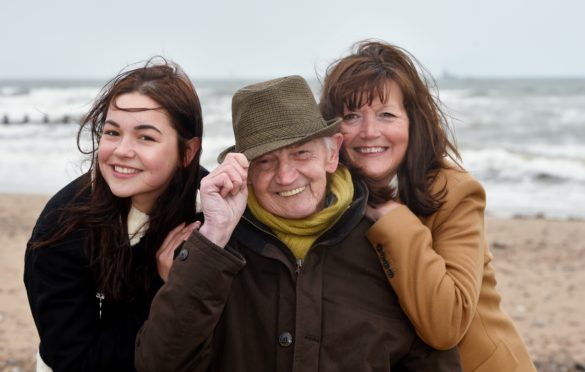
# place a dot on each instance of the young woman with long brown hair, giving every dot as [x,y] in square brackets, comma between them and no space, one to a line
[103,245]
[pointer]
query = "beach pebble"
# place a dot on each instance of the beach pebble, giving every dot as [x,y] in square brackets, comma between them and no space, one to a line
[499,245]
[520,308]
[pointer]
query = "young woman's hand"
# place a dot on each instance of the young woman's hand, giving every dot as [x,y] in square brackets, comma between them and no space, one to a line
[164,255]
[375,212]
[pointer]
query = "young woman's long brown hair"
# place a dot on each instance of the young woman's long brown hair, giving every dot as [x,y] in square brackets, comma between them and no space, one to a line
[103,216]
[357,79]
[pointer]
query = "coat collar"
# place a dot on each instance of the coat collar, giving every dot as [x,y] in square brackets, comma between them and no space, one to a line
[255,236]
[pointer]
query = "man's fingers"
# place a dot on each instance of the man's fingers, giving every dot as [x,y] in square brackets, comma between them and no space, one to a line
[228,178]
[238,158]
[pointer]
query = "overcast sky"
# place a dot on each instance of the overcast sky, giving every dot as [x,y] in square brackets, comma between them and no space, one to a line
[83,39]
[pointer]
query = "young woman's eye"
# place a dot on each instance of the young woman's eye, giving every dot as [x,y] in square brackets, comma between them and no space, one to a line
[146,138]
[111,133]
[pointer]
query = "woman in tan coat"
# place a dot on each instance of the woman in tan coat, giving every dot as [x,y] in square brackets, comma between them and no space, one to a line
[428,211]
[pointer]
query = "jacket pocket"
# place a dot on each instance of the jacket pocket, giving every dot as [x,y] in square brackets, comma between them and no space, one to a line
[501,360]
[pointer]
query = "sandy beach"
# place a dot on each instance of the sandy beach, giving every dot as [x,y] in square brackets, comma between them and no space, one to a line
[539,263]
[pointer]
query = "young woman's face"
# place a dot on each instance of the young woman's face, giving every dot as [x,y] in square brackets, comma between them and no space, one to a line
[138,151]
[375,137]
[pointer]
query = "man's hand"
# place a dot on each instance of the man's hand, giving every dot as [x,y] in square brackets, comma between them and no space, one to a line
[224,194]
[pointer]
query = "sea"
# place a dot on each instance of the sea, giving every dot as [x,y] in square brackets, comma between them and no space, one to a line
[523,139]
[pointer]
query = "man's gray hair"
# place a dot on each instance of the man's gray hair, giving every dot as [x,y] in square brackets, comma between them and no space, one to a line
[328,143]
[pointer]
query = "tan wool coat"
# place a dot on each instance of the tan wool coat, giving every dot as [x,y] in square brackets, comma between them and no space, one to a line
[440,268]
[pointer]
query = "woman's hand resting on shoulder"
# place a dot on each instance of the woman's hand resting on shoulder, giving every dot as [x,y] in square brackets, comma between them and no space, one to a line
[164,255]
[375,212]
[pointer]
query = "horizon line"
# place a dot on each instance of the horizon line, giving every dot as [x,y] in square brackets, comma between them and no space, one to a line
[440,77]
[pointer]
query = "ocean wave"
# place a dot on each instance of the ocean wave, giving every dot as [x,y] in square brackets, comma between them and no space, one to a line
[523,140]
[46,104]
[501,165]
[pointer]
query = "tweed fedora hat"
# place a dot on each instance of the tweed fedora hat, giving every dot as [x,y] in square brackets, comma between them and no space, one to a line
[274,114]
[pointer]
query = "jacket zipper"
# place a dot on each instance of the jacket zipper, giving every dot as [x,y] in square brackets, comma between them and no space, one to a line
[299,265]
[101,297]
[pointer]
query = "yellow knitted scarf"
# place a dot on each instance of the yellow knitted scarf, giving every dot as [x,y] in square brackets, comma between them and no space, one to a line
[299,235]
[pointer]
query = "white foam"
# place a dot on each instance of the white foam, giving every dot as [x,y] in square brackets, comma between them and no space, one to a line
[501,164]
[525,143]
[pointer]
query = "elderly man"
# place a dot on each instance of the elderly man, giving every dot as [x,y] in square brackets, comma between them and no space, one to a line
[293,285]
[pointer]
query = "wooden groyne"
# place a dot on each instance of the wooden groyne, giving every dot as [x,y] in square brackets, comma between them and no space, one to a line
[45,119]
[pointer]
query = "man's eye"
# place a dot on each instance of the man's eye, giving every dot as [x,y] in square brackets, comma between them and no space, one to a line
[263,163]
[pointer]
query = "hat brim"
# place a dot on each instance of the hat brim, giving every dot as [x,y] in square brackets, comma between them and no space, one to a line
[332,127]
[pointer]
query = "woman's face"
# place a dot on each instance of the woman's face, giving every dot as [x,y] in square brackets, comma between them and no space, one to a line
[138,151]
[375,137]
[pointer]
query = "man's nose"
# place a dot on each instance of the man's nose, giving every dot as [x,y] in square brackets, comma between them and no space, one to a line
[286,173]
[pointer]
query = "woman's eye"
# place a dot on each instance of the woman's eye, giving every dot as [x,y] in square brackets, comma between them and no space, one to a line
[388,115]
[146,138]
[110,133]
[350,116]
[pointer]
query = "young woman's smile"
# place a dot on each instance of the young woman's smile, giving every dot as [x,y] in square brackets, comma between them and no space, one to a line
[138,153]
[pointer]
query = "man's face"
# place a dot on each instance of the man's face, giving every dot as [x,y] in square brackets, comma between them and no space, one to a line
[291,182]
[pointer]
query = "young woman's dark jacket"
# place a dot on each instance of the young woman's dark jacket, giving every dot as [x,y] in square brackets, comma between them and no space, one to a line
[249,307]
[76,333]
